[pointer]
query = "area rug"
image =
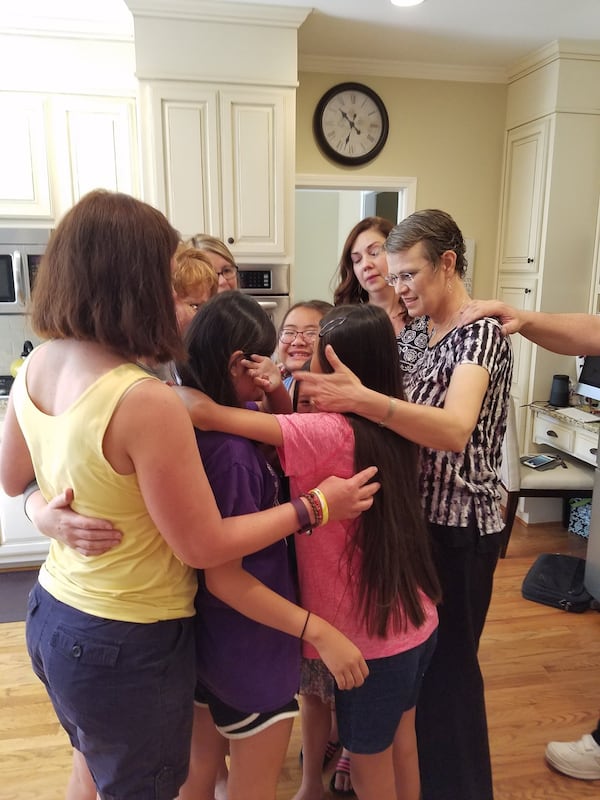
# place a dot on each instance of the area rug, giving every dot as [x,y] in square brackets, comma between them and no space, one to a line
[14,588]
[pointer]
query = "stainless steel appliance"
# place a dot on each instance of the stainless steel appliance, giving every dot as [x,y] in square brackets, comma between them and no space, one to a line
[269,285]
[20,252]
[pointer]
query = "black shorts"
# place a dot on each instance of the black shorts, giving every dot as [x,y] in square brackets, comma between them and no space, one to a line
[234,724]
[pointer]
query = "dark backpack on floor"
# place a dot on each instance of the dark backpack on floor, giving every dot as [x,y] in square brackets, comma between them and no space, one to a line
[556,580]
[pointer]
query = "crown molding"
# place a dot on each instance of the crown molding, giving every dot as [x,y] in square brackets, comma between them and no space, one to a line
[215,11]
[400,69]
[566,49]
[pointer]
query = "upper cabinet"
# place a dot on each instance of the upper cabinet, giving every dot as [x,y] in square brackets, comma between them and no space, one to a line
[221,161]
[95,147]
[24,166]
[58,147]
[549,202]
[218,120]
[523,199]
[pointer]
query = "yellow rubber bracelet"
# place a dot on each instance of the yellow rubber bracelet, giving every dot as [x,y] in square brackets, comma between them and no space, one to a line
[324,506]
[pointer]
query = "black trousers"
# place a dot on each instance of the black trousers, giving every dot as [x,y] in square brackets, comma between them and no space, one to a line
[596,733]
[454,757]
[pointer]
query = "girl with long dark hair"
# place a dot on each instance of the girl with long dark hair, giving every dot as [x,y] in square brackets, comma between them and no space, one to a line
[374,579]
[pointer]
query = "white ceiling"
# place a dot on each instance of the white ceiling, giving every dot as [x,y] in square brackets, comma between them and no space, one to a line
[480,38]
[477,34]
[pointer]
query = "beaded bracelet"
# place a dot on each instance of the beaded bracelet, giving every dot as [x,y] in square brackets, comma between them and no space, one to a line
[324,507]
[315,504]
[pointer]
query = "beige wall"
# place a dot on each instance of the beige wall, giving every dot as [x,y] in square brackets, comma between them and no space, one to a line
[450,136]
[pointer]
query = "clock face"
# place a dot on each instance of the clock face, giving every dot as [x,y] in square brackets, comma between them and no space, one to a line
[351,124]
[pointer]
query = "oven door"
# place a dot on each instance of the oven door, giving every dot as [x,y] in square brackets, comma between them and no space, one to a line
[276,307]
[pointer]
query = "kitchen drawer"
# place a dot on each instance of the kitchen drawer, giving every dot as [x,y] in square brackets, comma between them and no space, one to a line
[547,430]
[586,446]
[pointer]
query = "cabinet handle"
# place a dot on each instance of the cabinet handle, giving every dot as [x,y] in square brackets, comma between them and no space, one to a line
[230,240]
[530,260]
[527,291]
[593,450]
[552,433]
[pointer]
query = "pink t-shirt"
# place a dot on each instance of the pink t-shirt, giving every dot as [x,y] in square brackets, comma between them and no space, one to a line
[314,447]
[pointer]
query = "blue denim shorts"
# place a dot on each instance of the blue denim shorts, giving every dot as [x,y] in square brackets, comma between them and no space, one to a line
[369,715]
[123,692]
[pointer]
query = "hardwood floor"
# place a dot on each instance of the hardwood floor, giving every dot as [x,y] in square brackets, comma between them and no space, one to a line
[541,666]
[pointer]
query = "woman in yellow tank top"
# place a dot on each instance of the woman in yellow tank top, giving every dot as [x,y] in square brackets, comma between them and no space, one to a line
[111,635]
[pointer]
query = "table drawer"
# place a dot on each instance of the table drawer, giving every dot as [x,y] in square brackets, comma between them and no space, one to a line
[586,446]
[547,430]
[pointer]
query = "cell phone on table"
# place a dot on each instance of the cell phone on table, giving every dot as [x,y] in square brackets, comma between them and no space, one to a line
[541,461]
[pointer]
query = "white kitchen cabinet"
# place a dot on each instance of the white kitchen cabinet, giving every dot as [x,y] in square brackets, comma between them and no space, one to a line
[219,160]
[549,204]
[25,184]
[523,197]
[95,146]
[56,147]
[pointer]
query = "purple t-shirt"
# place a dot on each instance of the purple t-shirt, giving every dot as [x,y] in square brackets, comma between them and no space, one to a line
[249,666]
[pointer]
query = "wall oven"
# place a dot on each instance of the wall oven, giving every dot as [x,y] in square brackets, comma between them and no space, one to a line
[20,252]
[269,285]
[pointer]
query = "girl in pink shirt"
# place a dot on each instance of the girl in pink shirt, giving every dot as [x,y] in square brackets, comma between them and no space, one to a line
[372,578]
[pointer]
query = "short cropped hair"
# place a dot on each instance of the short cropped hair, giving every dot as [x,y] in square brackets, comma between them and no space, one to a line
[193,272]
[436,230]
[203,241]
[106,277]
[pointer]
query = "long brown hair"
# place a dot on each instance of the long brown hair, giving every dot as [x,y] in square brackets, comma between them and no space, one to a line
[391,536]
[349,290]
[106,277]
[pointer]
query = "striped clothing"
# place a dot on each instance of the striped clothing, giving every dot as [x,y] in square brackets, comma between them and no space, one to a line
[454,484]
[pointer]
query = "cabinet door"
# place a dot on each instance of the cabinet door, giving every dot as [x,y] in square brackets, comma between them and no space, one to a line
[25,181]
[253,169]
[519,292]
[182,156]
[95,146]
[523,197]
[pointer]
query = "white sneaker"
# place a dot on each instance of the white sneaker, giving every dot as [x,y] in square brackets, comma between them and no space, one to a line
[578,759]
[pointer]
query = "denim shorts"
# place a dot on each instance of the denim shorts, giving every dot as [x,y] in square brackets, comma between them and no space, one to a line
[369,715]
[123,692]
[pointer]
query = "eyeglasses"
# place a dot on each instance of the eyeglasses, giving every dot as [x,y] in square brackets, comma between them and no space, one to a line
[331,325]
[228,273]
[287,335]
[373,251]
[406,278]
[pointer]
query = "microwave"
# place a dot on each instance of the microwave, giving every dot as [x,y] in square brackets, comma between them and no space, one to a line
[21,250]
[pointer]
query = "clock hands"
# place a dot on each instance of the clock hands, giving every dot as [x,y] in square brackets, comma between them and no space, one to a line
[350,122]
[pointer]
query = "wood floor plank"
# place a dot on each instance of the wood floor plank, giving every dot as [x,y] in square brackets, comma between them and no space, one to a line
[541,668]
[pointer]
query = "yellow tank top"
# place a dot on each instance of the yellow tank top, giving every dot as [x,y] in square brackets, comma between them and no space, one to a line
[139,580]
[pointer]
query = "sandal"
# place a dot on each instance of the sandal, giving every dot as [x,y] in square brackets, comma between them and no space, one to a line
[342,768]
[330,751]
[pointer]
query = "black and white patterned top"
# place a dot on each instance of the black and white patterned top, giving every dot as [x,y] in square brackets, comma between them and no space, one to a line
[412,343]
[454,484]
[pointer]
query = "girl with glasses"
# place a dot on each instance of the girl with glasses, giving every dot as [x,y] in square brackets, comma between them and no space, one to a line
[297,336]
[375,578]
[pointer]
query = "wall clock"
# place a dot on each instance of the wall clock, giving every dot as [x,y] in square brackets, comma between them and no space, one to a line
[350,124]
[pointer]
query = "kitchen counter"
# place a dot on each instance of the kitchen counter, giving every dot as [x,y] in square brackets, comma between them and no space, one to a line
[20,543]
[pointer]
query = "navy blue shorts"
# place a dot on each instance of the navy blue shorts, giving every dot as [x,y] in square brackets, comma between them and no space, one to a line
[369,715]
[124,693]
[234,724]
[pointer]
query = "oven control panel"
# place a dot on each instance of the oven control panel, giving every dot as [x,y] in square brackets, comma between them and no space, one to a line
[256,279]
